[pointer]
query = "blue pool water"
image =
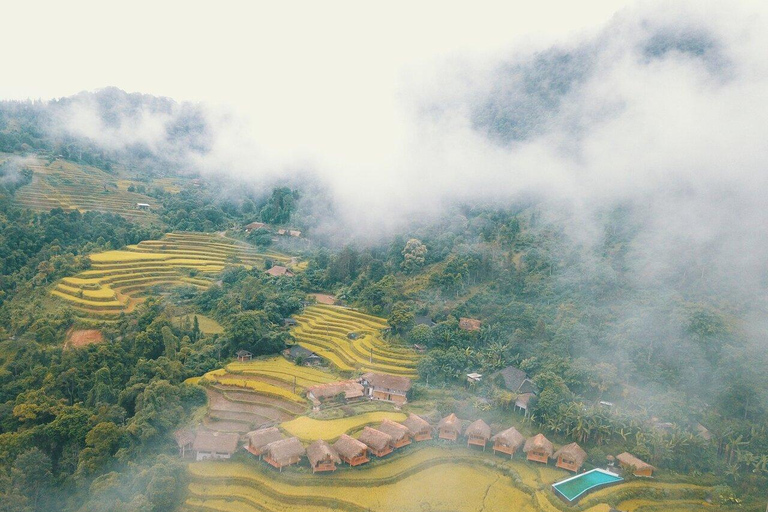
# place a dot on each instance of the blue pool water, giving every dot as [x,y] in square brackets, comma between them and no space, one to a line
[574,487]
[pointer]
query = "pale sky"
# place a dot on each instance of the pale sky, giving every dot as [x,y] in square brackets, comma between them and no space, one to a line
[335,87]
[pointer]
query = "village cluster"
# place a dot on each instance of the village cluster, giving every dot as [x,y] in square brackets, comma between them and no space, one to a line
[279,451]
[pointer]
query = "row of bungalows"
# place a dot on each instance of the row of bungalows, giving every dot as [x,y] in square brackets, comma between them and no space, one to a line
[537,448]
[540,449]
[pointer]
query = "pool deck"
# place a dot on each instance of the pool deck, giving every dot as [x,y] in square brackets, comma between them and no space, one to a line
[576,498]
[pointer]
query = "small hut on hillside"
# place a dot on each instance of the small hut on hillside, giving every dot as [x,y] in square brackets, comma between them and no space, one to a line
[400,434]
[243,355]
[478,434]
[351,451]
[637,466]
[184,439]
[284,452]
[259,439]
[419,428]
[322,456]
[539,449]
[214,445]
[279,270]
[570,457]
[449,428]
[379,443]
[508,441]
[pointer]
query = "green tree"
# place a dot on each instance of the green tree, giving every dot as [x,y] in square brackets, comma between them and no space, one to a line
[414,255]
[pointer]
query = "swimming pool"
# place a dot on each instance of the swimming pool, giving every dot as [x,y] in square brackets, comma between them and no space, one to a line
[574,487]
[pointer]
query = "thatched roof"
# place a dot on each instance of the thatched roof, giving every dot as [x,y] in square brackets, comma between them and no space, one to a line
[572,452]
[450,422]
[284,450]
[628,459]
[539,443]
[478,428]
[279,270]
[376,439]
[349,447]
[320,451]
[393,382]
[220,442]
[416,424]
[184,437]
[350,388]
[510,437]
[262,437]
[515,380]
[395,430]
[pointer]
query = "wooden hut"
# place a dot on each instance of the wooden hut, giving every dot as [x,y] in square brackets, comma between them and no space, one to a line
[378,442]
[570,457]
[631,463]
[478,433]
[322,456]
[449,428]
[539,449]
[214,445]
[390,388]
[419,428]
[259,439]
[400,434]
[284,452]
[184,439]
[351,451]
[507,441]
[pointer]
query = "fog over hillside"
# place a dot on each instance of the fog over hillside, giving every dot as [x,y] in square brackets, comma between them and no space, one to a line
[658,109]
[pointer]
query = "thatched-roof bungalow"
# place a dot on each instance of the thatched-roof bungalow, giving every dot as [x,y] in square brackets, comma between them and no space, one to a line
[508,441]
[570,457]
[478,433]
[419,428]
[284,452]
[400,434]
[214,445]
[351,451]
[379,443]
[637,466]
[322,456]
[539,449]
[449,428]
[259,439]
[390,388]
[184,439]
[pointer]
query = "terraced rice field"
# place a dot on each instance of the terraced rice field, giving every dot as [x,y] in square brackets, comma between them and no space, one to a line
[70,186]
[406,484]
[324,329]
[244,396]
[310,429]
[118,280]
[419,478]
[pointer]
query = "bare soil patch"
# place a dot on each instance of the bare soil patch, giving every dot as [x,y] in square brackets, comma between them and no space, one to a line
[77,338]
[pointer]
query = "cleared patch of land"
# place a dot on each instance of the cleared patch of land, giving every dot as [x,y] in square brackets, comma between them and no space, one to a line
[77,338]
[207,324]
